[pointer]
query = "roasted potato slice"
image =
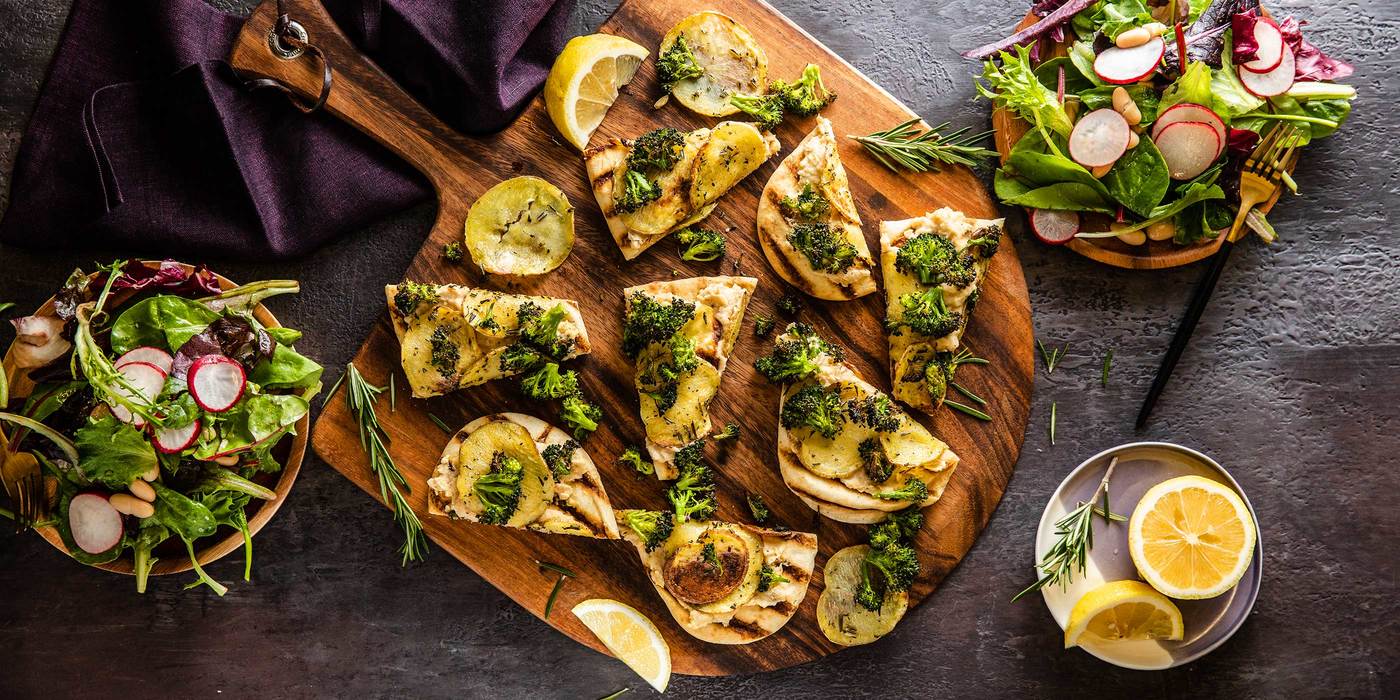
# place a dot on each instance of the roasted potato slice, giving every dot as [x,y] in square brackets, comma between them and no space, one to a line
[911,446]
[730,59]
[842,619]
[691,536]
[689,416]
[521,227]
[833,458]
[476,455]
[734,150]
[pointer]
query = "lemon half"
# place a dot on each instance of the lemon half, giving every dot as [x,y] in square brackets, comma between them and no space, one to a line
[1123,611]
[584,81]
[1191,537]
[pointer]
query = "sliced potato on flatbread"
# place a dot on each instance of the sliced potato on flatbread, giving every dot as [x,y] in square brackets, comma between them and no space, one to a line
[730,61]
[571,502]
[733,150]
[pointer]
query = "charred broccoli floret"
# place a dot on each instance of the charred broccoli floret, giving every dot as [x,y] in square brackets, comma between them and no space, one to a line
[650,525]
[875,412]
[909,521]
[548,383]
[933,259]
[540,328]
[988,239]
[676,64]
[790,304]
[410,294]
[925,313]
[499,489]
[883,571]
[700,244]
[809,204]
[650,321]
[816,407]
[883,534]
[758,508]
[807,95]
[912,490]
[765,110]
[877,464]
[769,577]
[795,355]
[560,457]
[580,416]
[692,495]
[730,432]
[445,352]
[762,325]
[636,192]
[452,252]
[632,457]
[824,247]
[656,151]
[520,357]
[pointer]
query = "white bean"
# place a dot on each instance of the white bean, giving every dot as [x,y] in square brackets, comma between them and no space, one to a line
[142,490]
[226,460]
[1137,36]
[152,474]
[1155,28]
[131,505]
[1161,231]
[1101,170]
[1133,140]
[1133,237]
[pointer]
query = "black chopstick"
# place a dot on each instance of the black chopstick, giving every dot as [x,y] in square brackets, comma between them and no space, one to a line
[1199,298]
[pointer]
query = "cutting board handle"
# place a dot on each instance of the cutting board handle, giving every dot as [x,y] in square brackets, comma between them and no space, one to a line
[361,93]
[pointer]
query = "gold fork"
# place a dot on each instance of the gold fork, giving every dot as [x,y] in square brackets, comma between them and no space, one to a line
[1262,176]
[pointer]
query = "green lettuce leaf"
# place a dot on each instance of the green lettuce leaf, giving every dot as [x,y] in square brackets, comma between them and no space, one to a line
[112,452]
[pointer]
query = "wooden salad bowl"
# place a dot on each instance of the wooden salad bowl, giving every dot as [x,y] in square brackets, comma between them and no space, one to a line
[290,451]
[1152,255]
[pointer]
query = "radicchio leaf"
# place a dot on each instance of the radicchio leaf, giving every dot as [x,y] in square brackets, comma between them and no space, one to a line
[168,277]
[229,336]
[1242,32]
[1309,61]
[1059,16]
[1241,142]
[1205,39]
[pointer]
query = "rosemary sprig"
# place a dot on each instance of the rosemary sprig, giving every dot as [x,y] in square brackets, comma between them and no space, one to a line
[1074,538]
[558,584]
[1052,356]
[921,151]
[441,425]
[966,409]
[1053,410]
[360,396]
[1107,363]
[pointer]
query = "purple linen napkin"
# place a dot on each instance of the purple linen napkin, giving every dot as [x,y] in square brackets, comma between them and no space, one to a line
[143,138]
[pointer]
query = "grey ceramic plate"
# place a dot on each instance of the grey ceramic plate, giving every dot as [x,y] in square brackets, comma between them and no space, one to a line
[1142,465]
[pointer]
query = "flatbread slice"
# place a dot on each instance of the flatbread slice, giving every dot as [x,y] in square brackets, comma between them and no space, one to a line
[912,351]
[814,171]
[749,611]
[689,189]
[452,337]
[830,474]
[676,420]
[569,501]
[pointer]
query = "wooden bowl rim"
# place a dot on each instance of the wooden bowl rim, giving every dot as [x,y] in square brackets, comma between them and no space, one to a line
[260,514]
[1167,254]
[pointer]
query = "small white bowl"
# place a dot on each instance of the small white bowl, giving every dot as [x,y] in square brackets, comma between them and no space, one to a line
[1141,465]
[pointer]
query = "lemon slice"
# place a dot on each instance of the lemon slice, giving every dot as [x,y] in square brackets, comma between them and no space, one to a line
[1123,611]
[630,636]
[584,82]
[1191,537]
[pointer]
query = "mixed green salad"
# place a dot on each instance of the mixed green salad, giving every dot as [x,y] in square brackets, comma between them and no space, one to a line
[1122,127]
[158,402]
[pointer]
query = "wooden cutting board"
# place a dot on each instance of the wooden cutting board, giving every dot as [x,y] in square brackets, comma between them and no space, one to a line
[463,168]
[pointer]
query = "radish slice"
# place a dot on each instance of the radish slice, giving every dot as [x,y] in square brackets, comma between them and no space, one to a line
[1188,147]
[148,380]
[95,525]
[1054,226]
[1099,138]
[1124,66]
[1270,42]
[161,359]
[172,440]
[1275,82]
[216,382]
[1190,112]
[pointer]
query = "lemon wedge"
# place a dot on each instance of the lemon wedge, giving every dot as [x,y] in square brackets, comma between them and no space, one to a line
[630,636]
[584,82]
[1123,611]
[1191,537]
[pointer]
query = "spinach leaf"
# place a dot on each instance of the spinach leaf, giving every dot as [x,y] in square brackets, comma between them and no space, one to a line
[255,420]
[216,478]
[1070,196]
[161,321]
[1201,222]
[1314,119]
[187,518]
[1102,98]
[1081,56]
[1194,192]
[112,452]
[284,335]
[1113,17]
[287,369]
[227,509]
[1139,179]
[151,534]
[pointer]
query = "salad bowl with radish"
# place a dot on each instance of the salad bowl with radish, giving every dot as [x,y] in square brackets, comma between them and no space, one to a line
[165,408]
[1122,124]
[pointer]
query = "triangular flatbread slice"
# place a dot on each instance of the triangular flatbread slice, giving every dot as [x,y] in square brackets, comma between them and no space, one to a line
[676,410]
[813,179]
[911,351]
[452,337]
[749,589]
[843,477]
[560,492]
[712,162]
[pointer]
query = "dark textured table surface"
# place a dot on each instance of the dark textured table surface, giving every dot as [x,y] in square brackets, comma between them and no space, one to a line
[1293,383]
